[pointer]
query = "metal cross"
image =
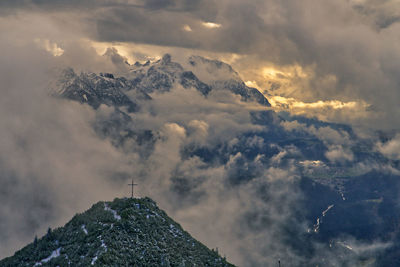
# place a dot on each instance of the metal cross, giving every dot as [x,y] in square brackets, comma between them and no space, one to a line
[132,185]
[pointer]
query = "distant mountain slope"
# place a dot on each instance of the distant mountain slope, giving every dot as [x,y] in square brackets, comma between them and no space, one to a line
[98,89]
[348,190]
[221,76]
[144,79]
[125,232]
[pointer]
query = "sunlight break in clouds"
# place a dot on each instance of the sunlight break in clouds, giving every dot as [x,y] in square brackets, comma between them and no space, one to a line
[211,25]
[231,173]
[291,103]
[187,28]
[49,46]
[329,110]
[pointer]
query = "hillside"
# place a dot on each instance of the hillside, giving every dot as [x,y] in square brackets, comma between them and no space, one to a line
[125,232]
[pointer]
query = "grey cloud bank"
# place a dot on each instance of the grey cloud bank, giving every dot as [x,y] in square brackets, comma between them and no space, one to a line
[50,156]
[352,46]
[209,157]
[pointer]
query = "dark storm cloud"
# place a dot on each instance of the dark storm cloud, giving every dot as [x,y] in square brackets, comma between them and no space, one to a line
[132,24]
[205,8]
[242,29]
[355,42]
[334,36]
[382,13]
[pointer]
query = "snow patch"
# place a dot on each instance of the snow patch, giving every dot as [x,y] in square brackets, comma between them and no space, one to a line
[319,220]
[345,245]
[116,216]
[94,260]
[174,231]
[54,254]
[84,229]
[103,245]
[325,211]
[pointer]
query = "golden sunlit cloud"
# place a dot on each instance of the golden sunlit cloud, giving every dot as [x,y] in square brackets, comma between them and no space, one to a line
[285,72]
[155,52]
[291,103]
[287,80]
[49,46]
[329,110]
[271,72]
[253,84]
[211,25]
[292,88]
[187,28]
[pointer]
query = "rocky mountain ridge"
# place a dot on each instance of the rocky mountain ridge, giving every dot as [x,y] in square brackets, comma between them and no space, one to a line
[144,79]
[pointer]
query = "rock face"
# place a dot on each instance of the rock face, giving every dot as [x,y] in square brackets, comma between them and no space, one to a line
[96,89]
[221,76]
[125,232]
[156,77]
[203,74]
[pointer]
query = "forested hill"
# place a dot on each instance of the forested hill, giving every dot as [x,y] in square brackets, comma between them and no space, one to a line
[125,232]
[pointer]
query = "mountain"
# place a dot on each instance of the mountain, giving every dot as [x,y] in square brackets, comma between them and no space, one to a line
[124,232]
[96,89]
[221,76]
[347,188]
[159,76]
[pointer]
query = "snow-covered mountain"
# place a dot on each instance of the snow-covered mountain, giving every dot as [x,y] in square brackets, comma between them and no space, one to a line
[159,76]
[98,89]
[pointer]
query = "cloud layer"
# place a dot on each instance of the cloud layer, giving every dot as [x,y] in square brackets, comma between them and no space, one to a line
[348,50]
[214,157]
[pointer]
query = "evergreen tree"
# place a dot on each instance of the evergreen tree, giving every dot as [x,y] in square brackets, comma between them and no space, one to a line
[35,241]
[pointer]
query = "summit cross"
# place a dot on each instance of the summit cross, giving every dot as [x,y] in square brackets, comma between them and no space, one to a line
[132,185]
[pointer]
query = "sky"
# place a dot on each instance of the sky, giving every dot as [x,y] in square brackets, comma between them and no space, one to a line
[341,54]
[337,60]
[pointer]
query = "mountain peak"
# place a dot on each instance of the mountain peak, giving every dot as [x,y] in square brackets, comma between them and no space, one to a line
[128,231]
[204,75]
[201,73]
[212,69]
[166,59]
